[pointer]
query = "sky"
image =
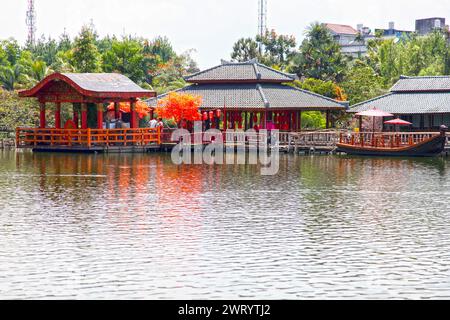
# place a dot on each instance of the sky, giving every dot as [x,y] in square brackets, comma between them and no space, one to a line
[211,27]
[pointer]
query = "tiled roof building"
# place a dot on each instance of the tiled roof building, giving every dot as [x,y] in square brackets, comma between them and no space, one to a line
[251,87]
[424,101]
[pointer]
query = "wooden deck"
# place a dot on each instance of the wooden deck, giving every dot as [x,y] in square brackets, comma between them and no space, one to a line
[148,140]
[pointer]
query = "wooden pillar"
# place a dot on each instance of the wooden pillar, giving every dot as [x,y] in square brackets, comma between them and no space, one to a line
[328,119]
[300,121]
[58,115]
[84,116]
[264,124]
[75,115]
[42,122]
[360,123]
[99,115]
[117,111]
[133,124]
[225,121]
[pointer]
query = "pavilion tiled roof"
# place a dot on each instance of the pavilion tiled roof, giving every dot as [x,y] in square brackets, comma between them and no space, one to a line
[422,84]
[413,95]
[250,71]
[104,82]
[93,84]
[341,29]
[247,96]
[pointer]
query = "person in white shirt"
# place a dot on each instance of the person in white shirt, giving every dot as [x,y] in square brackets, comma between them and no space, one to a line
[153,123]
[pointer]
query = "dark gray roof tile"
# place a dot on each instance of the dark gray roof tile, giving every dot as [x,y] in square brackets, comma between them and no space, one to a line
[422,84]
[408,103]
[257,96]
[250,71]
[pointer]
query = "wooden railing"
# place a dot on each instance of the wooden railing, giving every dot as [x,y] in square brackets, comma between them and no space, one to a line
[27,137]
[385,140]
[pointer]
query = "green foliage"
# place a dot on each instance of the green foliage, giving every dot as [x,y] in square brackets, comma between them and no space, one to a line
[245,49]
[319,56]
[362,83]
[416,56]
[45,50]
[86,57]
[277,50]
[125,57]
[313,120]
[17,113]
[9,76]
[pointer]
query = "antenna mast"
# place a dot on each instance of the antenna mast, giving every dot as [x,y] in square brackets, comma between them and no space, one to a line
[262,23]
[262,26]
[31,23]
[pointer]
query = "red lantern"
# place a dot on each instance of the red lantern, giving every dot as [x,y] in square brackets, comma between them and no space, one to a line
[255,118]
[205,116]
[218,113]
[211,115]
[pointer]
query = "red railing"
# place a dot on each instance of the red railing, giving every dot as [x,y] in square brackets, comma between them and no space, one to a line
[385,140]
[31,137]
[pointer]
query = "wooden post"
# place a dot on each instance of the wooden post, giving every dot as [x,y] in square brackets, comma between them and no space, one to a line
[133,114]
[225,121]
[100,116]
[300,121]
[117,110]
[58,115]
[264,124]
[43,122]
[328,119]
[84,117]
[75,116]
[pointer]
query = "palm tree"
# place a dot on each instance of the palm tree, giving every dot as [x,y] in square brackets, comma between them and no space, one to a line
[9,76]
[39,71]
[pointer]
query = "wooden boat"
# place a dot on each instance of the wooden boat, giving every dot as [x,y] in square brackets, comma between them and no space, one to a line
[394,145]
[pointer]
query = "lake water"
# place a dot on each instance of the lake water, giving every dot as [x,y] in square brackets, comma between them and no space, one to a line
[137,226]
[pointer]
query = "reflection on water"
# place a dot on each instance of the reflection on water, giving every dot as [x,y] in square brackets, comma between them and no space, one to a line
[136,226]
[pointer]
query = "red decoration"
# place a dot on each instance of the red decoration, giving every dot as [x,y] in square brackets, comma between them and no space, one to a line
[218,113]
[211,115]
[180,107]
[205,116]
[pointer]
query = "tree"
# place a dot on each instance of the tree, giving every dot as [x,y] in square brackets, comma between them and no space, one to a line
[12,50]
[320,56]
[65,44]
[45,50]
[245,49]
[15,112]
[160,47]
[9,76]
[325,88]
[278,50]
[362,83]
[316,119]
[86,57]
[179,106]
[39,70]
[126,58]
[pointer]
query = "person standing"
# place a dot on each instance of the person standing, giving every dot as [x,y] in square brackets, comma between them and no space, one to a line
[153,123]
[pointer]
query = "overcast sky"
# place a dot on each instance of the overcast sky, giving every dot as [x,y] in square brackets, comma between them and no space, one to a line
[209,26]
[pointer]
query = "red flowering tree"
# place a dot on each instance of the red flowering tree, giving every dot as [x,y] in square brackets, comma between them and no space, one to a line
[180,106]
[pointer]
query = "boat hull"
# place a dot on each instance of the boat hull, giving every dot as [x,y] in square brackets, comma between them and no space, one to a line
[429,148]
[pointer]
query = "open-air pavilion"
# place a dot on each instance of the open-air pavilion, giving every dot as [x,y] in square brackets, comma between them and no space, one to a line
[252,95]
[89,94]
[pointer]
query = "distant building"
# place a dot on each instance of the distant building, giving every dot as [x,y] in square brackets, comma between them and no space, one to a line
[353,41]
[393,33]
[426,26]
[423,101]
